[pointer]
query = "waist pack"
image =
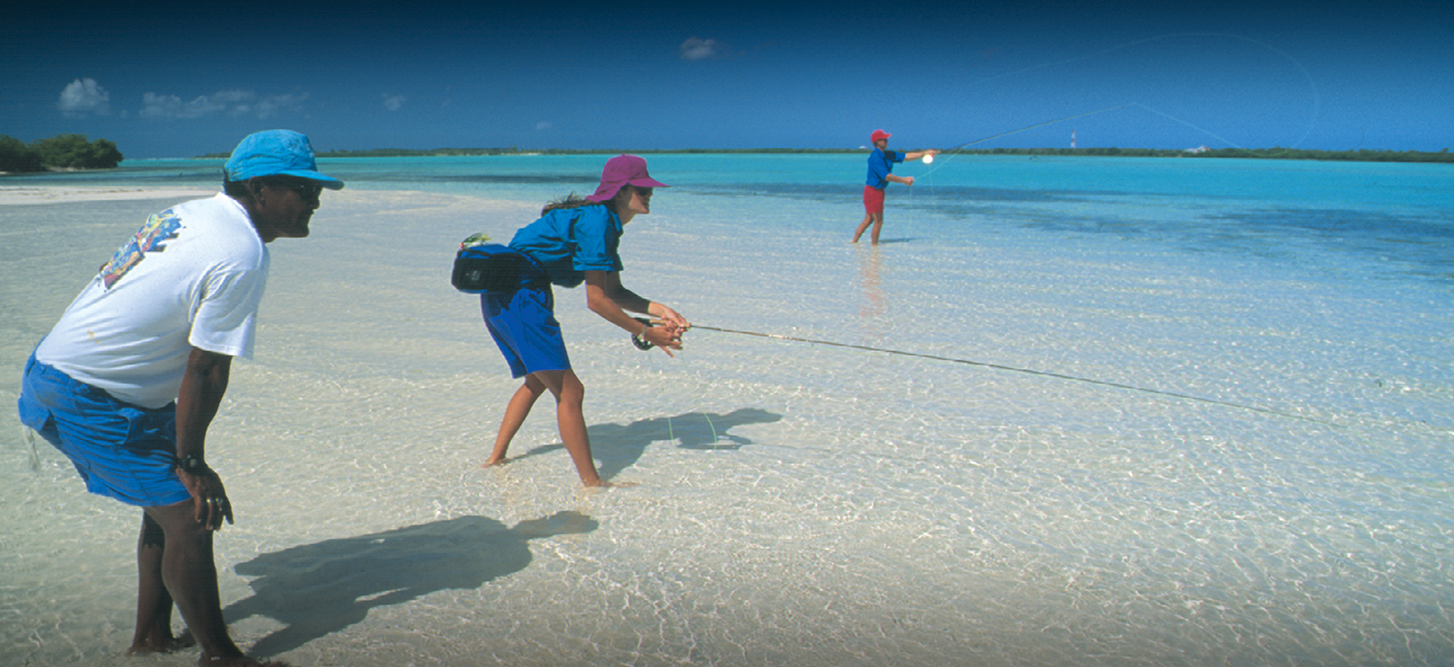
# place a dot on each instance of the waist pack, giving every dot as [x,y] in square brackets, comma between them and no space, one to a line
[480,267]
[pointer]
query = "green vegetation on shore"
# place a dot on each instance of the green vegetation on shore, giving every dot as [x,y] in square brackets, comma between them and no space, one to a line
[1246,153]
[478,152]
[74,151]
[65,151]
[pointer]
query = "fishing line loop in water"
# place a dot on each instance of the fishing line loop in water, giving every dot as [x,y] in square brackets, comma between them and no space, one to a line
[1014,369]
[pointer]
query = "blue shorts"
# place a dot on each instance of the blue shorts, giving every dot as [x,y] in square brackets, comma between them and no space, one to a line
[523,325]
[122,451]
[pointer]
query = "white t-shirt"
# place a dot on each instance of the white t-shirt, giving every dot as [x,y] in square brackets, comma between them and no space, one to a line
[192,276]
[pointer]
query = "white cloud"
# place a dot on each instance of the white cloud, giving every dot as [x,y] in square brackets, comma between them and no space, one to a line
[544,125]
[84,96]
[229,102]
[171,106]
[266,108]
[394,102]
[700,49]
[160,106]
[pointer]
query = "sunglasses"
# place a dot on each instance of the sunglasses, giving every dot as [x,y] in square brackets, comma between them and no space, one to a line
[305,189]
[645,192]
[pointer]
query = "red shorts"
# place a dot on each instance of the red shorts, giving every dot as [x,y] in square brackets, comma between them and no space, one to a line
[873,200]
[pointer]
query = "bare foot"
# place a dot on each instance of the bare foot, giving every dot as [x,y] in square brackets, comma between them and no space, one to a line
[494,461]
[603,484]
[164,644]
[236,661]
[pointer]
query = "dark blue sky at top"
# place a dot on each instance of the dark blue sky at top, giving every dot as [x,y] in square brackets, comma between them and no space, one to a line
[171,80]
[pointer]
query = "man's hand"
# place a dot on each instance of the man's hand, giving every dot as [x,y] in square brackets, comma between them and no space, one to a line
[209,499]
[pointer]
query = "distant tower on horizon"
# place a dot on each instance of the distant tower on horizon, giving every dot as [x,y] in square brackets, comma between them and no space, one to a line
[1072,138]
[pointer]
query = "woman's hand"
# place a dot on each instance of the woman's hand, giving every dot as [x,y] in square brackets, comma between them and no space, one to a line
[666,336]
[670,317]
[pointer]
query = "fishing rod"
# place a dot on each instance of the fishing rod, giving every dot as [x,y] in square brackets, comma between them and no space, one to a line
[1312,88]
[1138,105]
[1048,122]
[1012,369]
[955,151]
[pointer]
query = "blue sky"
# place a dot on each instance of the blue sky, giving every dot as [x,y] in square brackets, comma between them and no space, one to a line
[165,79]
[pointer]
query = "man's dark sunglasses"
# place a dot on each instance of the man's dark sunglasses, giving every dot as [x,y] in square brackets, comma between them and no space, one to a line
[306,189]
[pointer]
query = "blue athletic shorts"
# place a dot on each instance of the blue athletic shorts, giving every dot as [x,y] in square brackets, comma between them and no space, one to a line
[122,451]
[523,325]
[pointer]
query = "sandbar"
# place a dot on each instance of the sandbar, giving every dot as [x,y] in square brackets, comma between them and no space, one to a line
[21,195]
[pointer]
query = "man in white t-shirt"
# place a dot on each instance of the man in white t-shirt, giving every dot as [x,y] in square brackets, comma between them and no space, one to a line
[131,376]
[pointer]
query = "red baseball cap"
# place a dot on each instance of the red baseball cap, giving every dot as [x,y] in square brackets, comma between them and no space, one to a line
[623,170]
[878,134]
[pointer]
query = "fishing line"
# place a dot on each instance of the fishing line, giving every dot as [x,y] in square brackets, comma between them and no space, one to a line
[955,151]
[1306,75]
[1048,122]
[1013,369]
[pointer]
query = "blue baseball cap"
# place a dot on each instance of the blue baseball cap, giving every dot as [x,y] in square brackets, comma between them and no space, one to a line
[276,152]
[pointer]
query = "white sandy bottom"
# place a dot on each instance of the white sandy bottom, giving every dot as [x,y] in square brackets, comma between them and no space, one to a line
[13,195]
[797,504]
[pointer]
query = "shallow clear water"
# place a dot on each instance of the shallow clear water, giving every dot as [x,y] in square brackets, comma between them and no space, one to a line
[1186,412]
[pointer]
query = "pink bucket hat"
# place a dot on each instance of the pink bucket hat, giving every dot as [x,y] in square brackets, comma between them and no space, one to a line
[623,170]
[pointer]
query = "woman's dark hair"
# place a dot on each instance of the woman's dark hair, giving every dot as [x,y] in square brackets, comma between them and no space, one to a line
[571,201]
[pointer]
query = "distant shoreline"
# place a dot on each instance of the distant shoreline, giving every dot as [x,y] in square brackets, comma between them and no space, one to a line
[1441,157]
[1279,153]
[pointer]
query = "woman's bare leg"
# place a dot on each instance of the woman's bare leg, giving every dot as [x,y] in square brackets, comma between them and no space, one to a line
[515,413]
[570,398]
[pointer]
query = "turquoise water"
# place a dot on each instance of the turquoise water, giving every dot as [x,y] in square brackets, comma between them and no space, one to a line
[1206,420]
[1396,218]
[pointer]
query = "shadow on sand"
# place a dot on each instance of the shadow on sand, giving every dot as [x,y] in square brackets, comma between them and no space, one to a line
[618,447]
[318,589]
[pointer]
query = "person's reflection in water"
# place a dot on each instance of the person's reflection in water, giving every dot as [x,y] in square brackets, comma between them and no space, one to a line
[873,305]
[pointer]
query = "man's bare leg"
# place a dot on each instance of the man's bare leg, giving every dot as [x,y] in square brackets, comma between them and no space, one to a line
[190,577]
[863,226]
[153,602]
[875,219]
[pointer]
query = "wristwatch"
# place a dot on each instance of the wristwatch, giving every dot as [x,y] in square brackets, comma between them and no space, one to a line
[191,464]
[640,341]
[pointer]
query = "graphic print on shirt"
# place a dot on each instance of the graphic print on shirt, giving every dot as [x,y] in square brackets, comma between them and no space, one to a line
[152,237]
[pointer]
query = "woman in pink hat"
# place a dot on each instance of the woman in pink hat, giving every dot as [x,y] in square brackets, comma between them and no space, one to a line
[575,241]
